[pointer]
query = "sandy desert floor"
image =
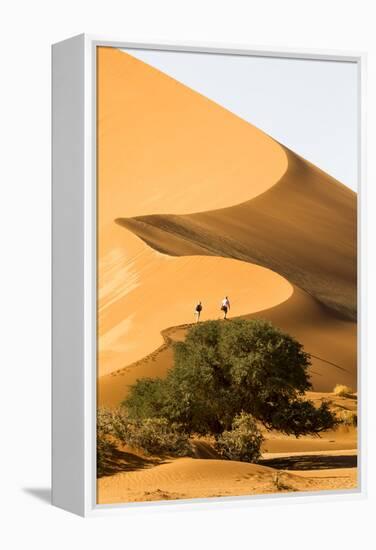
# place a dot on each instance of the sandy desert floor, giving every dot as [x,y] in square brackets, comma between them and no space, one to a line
[288,464]
[307,464]
[188,478]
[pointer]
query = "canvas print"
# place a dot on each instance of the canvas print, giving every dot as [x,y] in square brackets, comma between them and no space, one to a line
[227,275]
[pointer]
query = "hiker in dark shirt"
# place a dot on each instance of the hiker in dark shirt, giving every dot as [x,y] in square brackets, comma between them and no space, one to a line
[198,310]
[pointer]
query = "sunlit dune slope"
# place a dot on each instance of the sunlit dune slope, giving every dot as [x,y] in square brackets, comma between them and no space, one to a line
[143,292]
[264,205]
[303,228]
[163,147]
[330,340]
[194,203]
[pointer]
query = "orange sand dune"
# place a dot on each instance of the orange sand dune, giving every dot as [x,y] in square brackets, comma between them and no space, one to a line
[142,292]
[203,157]
[187,478]
[263,218]
[318,329]
[163,147]
[303,228]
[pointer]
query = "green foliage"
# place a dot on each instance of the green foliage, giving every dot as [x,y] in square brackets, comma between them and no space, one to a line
[225,368]
[152,435]
[242,442]
[299,417]
[158,436]
[105,446]
[146,398]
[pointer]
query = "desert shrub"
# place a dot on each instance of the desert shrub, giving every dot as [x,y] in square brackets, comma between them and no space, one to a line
[347,418]
[113,424]
[225,368]
[342,391]
[152,435]
[279,484]
[158,436]
[105,446]
[104,453]
[242,442]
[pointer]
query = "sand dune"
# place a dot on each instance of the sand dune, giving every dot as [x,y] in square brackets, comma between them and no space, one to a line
[288,464]
[142,292]
[187,478]
[318,329]
[303,228]
[163,147]
[295,220]
[194,203]
[310,241]
[170,151]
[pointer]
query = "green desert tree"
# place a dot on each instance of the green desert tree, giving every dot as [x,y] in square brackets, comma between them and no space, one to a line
[224,369]
[147,398]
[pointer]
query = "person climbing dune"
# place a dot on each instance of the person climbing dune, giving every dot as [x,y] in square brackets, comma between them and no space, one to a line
[198,310]
[225,306]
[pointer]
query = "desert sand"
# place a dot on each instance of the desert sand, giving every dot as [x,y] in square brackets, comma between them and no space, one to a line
[193,204]
[303,227]
[301,316]
[288,464]
[141,292]
[170,151]
[187,478]
[309,242]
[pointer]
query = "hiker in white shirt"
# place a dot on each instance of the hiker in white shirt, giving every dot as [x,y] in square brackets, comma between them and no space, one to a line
[225,306]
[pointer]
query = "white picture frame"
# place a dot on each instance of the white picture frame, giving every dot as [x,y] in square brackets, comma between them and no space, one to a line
[74,273]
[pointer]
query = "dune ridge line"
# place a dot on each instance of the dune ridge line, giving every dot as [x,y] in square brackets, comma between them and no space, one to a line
[303,228]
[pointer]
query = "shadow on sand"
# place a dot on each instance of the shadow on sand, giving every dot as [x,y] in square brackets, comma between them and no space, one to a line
[122,461]
[311,462]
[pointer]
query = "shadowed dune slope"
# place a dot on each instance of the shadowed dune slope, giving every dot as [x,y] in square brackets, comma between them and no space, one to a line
[303,228]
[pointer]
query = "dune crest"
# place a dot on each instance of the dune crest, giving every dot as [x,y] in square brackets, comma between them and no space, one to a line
[195,203]
[163,147]
[303,228]
[254,201]
[143,292]
[172,150]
